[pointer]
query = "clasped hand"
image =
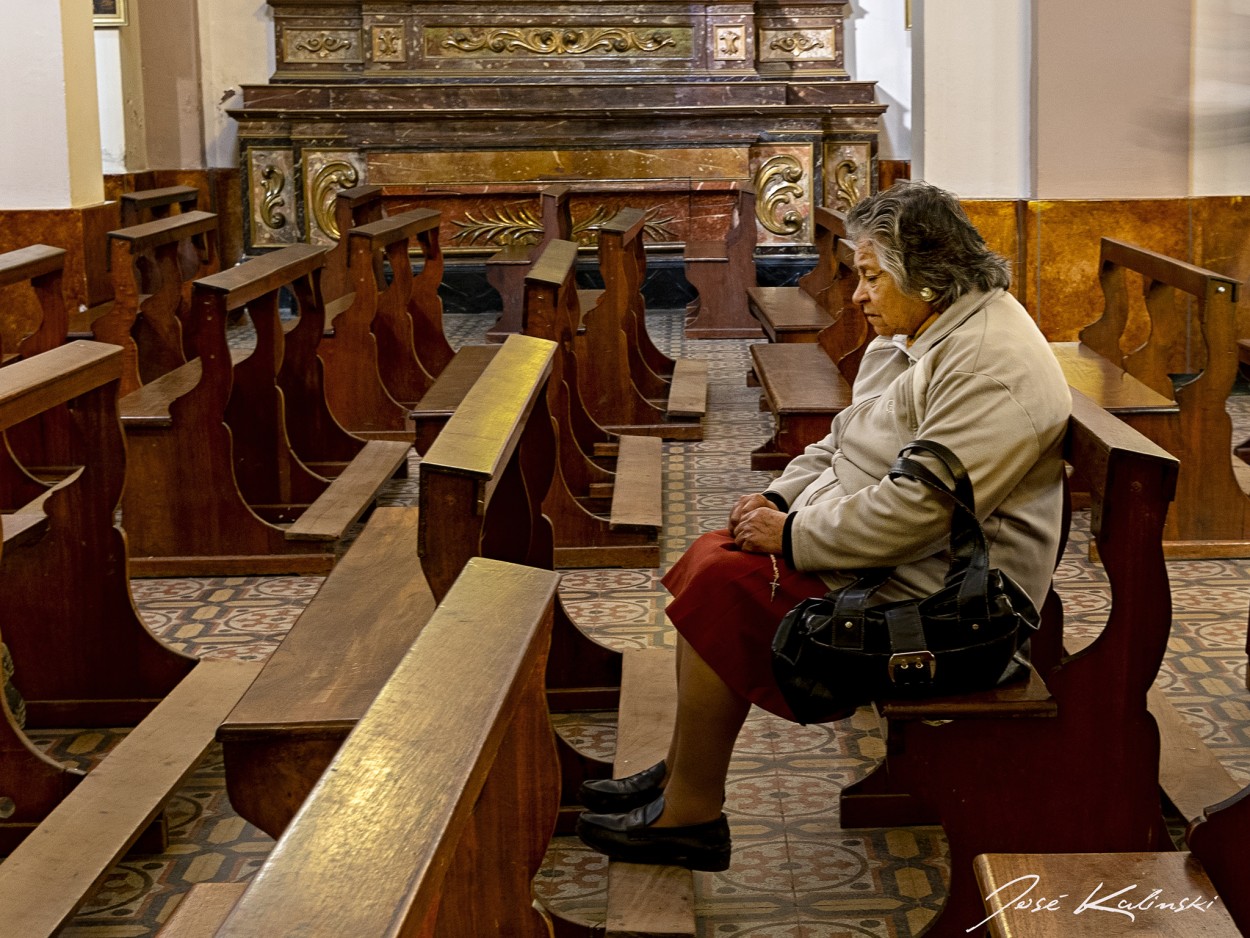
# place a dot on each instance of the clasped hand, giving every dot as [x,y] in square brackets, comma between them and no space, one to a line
[756,525]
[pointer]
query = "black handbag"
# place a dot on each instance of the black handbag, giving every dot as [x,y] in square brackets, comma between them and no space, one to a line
[835,652]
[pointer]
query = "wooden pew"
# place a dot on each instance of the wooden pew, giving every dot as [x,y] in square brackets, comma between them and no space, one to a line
[481,491]
[153,265]
[82,655]
[388,347]
[457,757]
[506,269]
[806,385]
[147,205]
[629,536]
[210,441]
[628,385]
[722,272]
[799,313]
[1211,514]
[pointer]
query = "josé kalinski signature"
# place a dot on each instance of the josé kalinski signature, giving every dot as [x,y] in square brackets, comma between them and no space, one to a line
[1126,900]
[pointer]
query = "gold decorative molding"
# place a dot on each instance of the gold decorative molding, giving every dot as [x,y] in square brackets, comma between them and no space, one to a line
[274,181]
[731,44]
[846,180]
[559,40]
[388,43]
[776,183]
[326,183]
[272,198]
[322,45]
[523,225]
[797,44]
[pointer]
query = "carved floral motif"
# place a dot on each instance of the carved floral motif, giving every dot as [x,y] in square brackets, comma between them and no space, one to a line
[523,225]
[559,41]
[796,44]
[388,43]
[846,180]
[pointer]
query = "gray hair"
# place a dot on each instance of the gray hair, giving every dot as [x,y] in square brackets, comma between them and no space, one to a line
[923,238]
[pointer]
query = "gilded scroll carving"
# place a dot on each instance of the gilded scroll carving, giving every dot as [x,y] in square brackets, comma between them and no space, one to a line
[325,186]
[324,45]
[275,182]
[523,225]
[796,44]
[558,41]
[776,181]
[846,180]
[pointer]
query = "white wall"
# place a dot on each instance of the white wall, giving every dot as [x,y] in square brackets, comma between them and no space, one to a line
[1221,97]
[236,47]
[108,77]
[879,48]
[50,151]
[971,78]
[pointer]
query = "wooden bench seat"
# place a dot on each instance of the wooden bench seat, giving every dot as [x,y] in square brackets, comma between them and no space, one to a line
[430,414]
[59,864]
[243,449]
[456,757]
[803,393]
[1111,386]
[721,272]
[799,313]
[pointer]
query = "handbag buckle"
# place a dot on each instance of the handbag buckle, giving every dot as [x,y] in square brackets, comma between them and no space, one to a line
[906,667]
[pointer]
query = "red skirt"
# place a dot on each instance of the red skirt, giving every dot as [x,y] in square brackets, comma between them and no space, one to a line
[722,607]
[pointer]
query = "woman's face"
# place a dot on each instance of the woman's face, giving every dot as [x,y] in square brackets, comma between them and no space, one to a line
[888,310]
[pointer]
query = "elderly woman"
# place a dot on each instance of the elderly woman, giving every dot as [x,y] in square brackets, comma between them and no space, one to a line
[957,361]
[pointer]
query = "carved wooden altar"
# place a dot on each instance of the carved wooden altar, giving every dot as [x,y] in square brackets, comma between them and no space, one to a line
[469,107]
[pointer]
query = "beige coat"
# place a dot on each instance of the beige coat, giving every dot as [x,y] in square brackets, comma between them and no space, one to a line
[982,381]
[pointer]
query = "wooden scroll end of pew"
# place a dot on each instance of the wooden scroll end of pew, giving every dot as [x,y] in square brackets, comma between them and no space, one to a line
[202,910]
[457,760]
[1189,774]
[320,680]
[687,396]
[58,865]
[350,494]
[1087,894]
[638,492]
[647,900]
[435,408]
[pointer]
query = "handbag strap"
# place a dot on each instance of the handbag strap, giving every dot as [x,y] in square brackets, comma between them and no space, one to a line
[970,553]
[970,560]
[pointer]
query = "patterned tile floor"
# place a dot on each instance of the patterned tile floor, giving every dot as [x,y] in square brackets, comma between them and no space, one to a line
[795,873]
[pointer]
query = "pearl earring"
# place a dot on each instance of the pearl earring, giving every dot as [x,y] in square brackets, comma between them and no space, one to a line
[927,294]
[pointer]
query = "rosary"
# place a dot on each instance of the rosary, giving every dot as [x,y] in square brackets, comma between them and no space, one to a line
[772,587]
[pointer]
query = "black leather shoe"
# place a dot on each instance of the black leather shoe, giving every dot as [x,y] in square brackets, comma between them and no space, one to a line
[629,837]
[617,795]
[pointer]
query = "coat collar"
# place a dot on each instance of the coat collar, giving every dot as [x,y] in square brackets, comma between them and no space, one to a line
[951,319]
